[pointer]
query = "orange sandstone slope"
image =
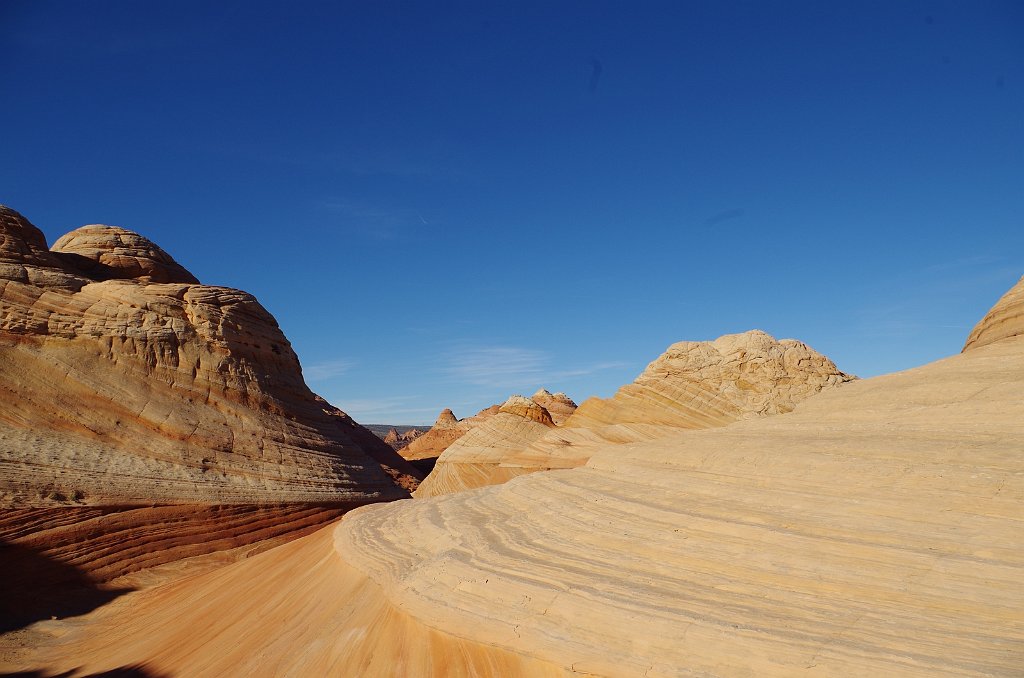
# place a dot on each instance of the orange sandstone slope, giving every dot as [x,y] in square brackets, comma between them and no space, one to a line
[693,385]
[124,383]
[874,530]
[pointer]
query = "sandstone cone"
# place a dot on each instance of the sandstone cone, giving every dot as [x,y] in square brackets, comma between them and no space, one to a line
[558,405]
[875,530]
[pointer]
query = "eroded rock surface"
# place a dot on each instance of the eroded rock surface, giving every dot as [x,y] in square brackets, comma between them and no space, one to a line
[693,385]
[875,530]
[119,389]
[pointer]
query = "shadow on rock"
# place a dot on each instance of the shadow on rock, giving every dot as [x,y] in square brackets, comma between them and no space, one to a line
[122,672]
[34,587]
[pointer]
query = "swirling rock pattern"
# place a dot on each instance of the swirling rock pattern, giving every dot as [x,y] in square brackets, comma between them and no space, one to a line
[874,530]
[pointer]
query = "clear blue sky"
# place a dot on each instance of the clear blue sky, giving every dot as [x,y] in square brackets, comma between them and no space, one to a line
[444,204]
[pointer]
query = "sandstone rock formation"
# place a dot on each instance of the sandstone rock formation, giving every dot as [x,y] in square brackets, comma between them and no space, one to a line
[692,385]
[445,431]
[875,530]
[125,384]
[486,454]
[558,405]
[109,253]
[399,440]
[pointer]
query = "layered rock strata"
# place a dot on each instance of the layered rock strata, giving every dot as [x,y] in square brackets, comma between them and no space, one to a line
[874,530]
[119,389]
[145,417]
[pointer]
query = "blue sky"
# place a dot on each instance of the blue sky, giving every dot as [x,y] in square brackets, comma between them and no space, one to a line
[446,206]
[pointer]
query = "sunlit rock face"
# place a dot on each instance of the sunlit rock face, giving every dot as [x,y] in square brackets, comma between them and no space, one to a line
[445,431]
[873,530]
[693,385]
[123,380]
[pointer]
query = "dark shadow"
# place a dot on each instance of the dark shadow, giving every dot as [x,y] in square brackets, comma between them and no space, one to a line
[136,671]
[425,466]
[127,672]
[34,587]
[88,268]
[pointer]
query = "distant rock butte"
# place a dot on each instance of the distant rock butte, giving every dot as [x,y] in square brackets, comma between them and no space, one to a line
[875,530]
[125,383]
[693,385]
[399,440]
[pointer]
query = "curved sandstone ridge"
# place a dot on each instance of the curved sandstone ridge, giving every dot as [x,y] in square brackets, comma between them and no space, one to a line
[692,385]
[486,454]
[876,530]
[1005,319]
[117,390]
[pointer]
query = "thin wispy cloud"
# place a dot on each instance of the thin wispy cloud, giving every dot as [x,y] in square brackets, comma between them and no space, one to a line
[496,365]
[389,410]
[384,223]
[511,367]
[727,215]
[327,370]
[964,263]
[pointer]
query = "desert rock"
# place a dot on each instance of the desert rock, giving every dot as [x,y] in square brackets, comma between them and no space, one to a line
[129,405]
[445,431]
[486,454]
[122,390]
[875,529]
[693,385]
[558,405]
[108,252]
